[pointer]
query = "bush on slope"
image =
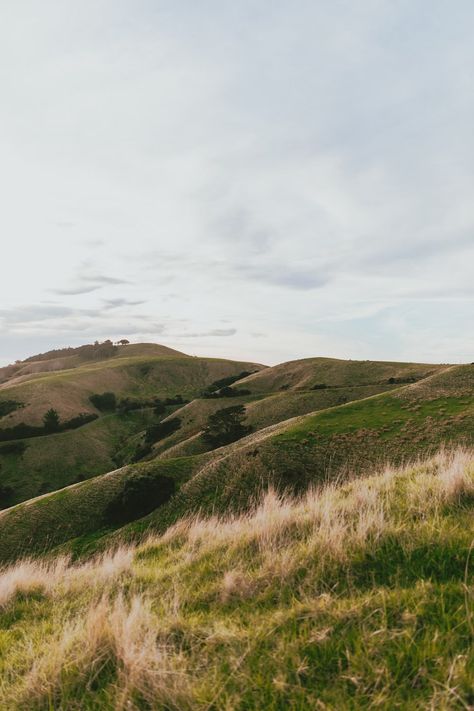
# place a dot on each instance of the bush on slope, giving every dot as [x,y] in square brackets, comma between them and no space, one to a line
[354,596]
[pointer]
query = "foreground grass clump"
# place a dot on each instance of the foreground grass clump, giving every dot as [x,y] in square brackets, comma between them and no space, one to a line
[357,595]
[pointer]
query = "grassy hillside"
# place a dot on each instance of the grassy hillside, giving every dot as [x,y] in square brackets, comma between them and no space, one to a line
[356,596]
[54,461]
[139,375]
[68,358]
[139,372]
[295,388]
[409,421]
[310,372]
[262,411]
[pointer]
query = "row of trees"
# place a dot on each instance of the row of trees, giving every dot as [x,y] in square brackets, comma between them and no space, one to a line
[51,424]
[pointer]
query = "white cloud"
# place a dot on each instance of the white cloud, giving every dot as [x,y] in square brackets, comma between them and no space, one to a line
[300,170]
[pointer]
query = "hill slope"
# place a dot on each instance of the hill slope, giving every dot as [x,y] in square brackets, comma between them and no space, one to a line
[140,372]
[295,388]
[402,424]
[354,597]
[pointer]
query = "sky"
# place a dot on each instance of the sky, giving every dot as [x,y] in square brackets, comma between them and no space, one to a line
[263,179]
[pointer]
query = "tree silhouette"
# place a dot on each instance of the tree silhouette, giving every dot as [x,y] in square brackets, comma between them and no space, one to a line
[226,426]
[51,421]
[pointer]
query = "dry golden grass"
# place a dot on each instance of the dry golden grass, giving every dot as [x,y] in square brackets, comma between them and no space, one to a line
[59,575]
[119,634]
[159,626]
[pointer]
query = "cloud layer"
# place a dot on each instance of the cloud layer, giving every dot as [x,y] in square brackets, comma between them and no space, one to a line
[259,180]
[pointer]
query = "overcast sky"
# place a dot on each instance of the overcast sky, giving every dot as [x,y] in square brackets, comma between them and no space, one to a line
[262,179]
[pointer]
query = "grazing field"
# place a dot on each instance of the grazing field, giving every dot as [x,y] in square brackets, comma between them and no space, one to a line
[356,595]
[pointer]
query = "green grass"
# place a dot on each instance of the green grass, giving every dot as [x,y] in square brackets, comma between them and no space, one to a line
[341,441]
[383,414]
[358,597]
[40,524]
[306,373]
[55,461]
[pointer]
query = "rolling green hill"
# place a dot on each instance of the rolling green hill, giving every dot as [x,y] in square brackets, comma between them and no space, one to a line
[294,568]
[399,424]
[292,389]
[140,372]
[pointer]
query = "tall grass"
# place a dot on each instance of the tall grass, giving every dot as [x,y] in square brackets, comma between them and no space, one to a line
[356,595]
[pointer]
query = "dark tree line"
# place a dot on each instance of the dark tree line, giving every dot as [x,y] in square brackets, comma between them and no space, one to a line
[51,424]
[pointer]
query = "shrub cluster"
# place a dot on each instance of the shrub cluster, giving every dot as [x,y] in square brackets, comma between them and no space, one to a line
[403,379]
[224,383]
[129,404]
[226,392]
[51,424]
[105,402]
[140,495]
[226,426]
[154,434]
[7,406]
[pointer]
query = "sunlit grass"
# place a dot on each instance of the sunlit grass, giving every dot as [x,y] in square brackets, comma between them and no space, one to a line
[356,595]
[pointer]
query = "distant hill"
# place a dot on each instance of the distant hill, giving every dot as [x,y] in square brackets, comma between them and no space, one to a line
[137,373]
[66,358]
[326,419]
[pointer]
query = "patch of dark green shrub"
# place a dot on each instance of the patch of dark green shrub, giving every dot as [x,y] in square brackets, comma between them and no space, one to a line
[7,494]
[403,380]
[129,404]
[7,406]
[157,432]
[105,402]
[82,419]
[154,434]
[140,495]
[13,448]
[226,426]
[225,382]
[226,392]
[51,421]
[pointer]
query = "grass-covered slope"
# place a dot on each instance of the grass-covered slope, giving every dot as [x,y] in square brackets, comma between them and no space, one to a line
[69,358]
[292,389]
[356,596]
[332,372]
[77,511]
[58,460]
[136,373]
[139,372]
[399,425]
